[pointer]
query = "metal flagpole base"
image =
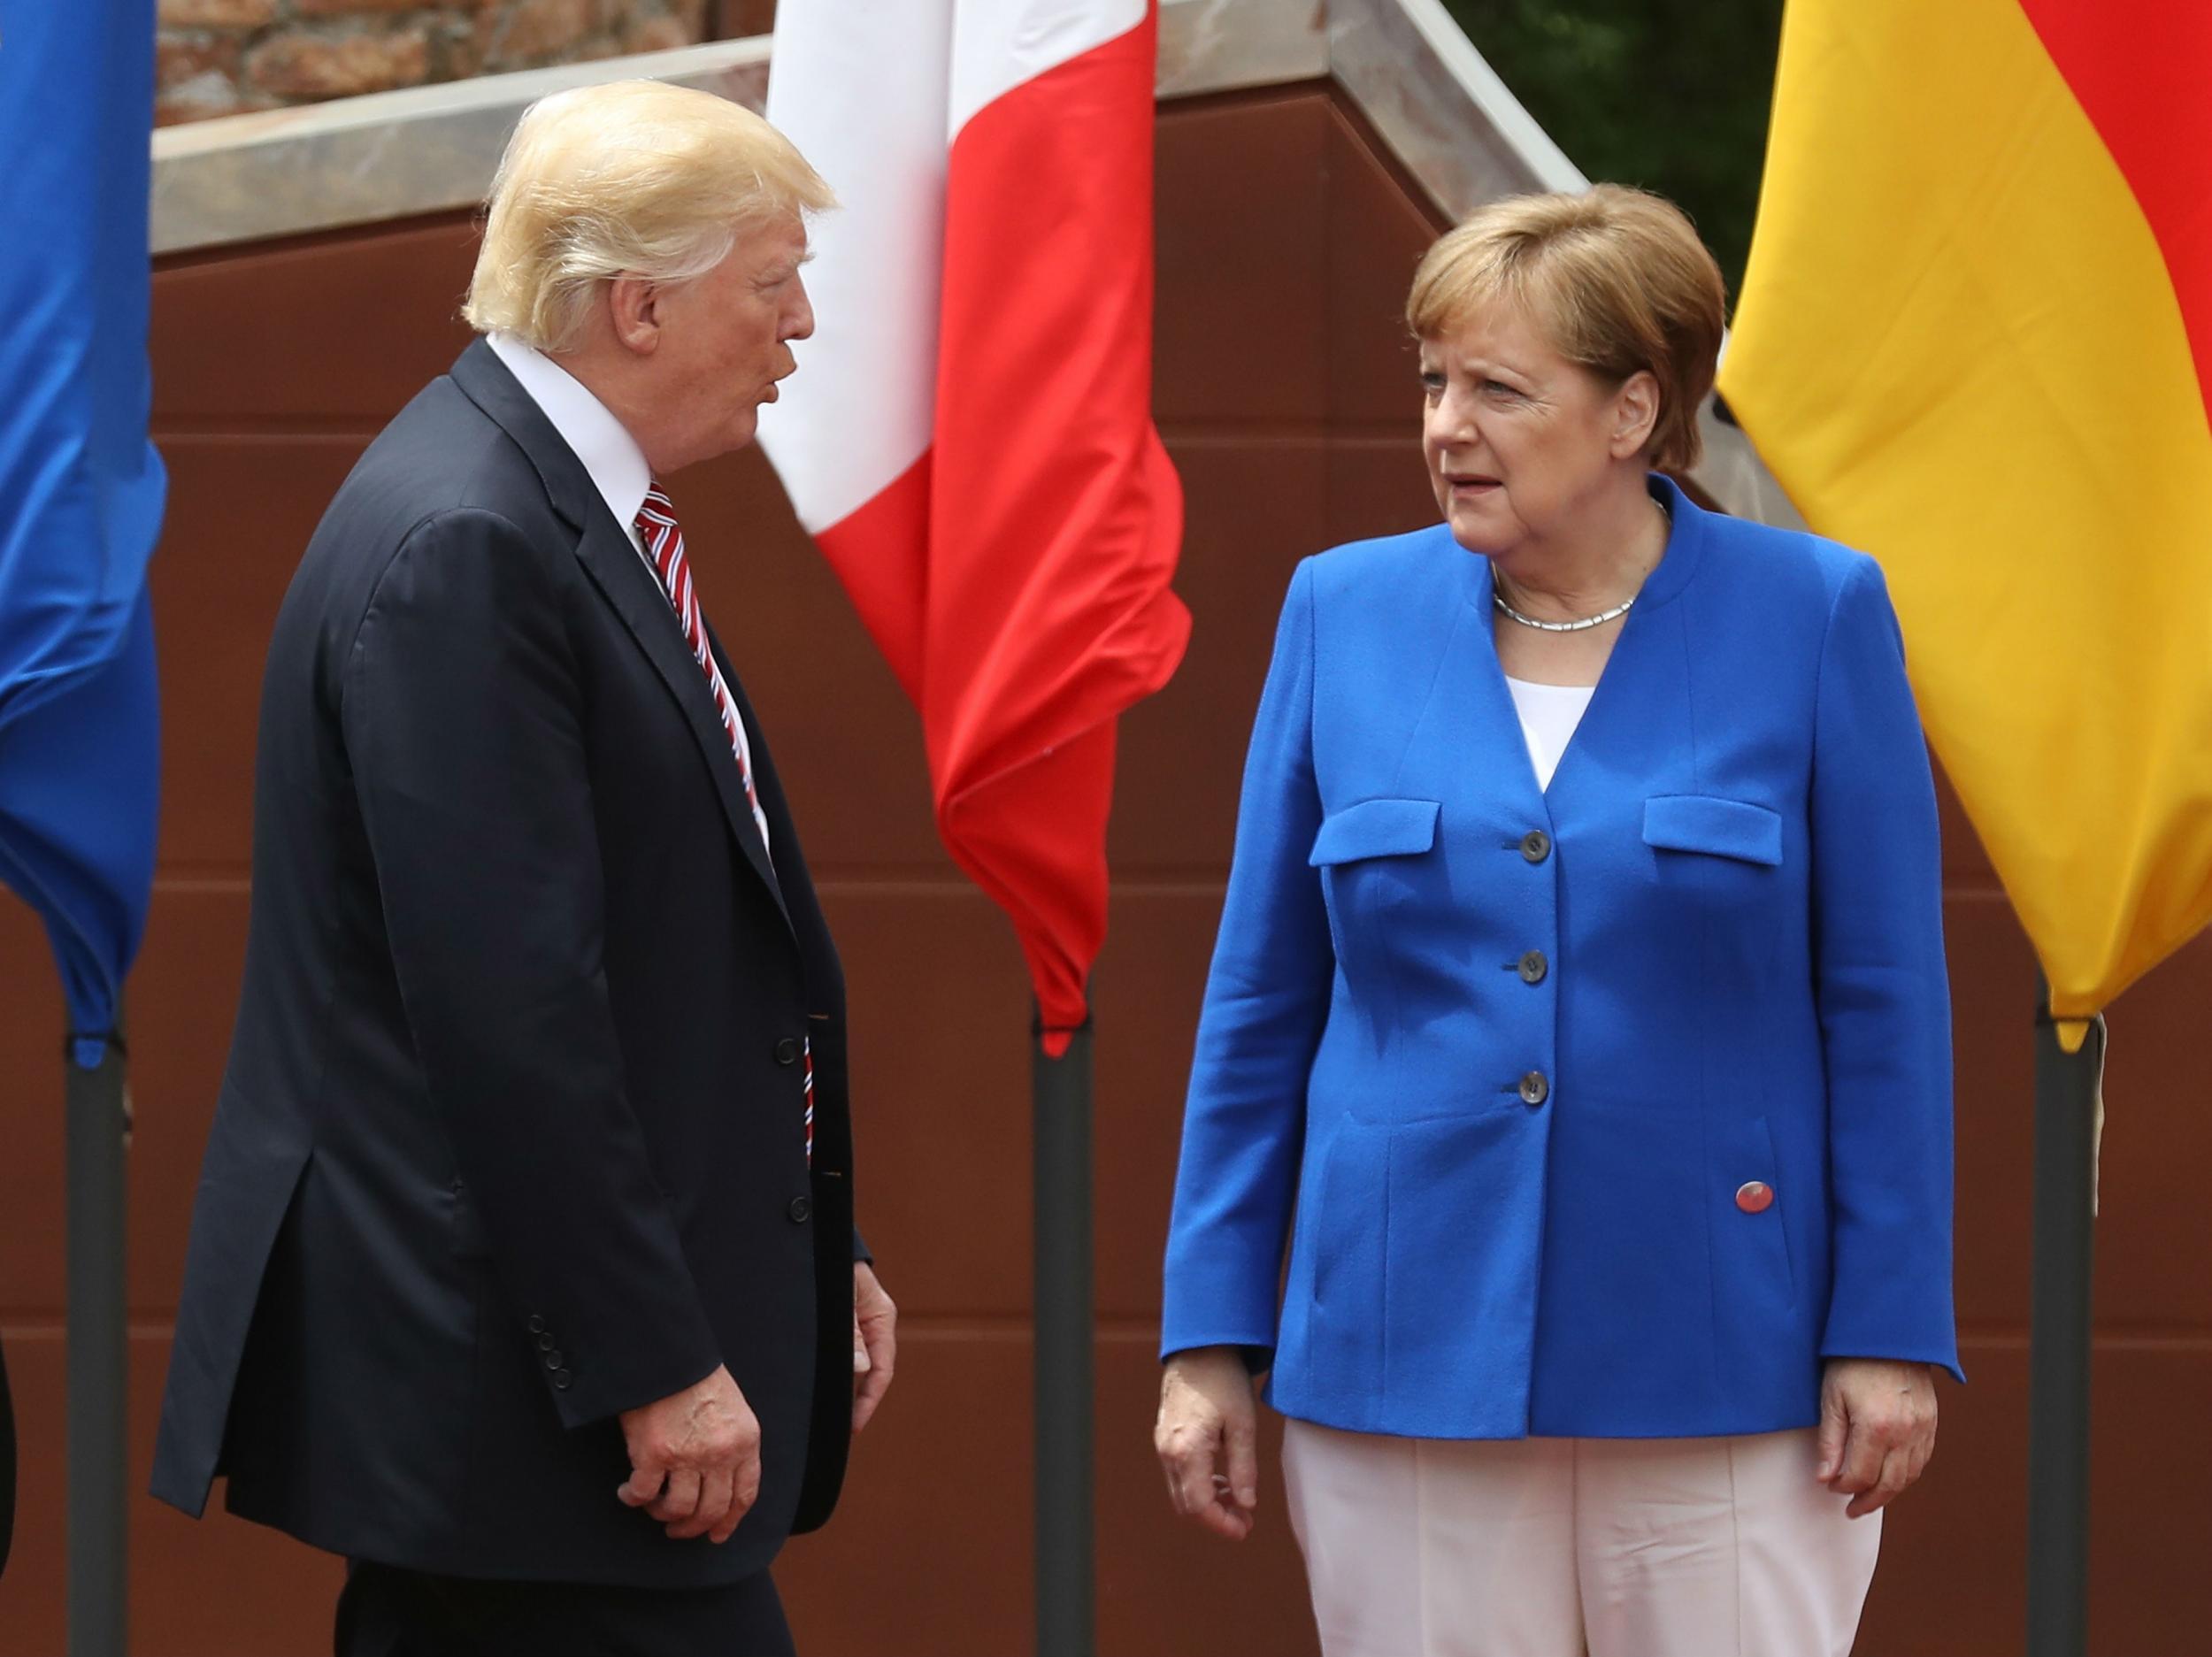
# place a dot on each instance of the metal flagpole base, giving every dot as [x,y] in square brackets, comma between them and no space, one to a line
[2067,1087]
[98,1360]
[1061,1096]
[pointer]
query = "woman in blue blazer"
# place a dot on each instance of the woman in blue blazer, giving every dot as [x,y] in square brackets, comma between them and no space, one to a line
[1578,1020]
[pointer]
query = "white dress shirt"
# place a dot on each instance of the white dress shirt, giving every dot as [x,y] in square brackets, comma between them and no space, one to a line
[611,455]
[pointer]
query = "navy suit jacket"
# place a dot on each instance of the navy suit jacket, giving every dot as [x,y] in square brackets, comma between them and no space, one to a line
[511,1137]
[1510,1055]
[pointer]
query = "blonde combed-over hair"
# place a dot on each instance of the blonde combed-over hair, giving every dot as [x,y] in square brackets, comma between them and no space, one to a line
[1617,279]
[632,177]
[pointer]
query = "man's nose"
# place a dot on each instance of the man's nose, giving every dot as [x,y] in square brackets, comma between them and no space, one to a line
[800,324]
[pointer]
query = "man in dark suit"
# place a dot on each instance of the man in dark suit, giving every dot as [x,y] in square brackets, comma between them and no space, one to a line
[523,1271]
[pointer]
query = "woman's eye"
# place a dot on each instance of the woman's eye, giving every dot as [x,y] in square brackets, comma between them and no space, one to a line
[1433,384]
[1498,387]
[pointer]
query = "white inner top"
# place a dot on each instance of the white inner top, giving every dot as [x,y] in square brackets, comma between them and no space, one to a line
[1550,714]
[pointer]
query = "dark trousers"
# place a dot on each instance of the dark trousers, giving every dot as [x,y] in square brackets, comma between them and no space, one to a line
[386,1612]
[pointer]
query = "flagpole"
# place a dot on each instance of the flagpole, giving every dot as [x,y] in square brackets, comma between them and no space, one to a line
[98,1115]
[2066,1089]
[1060,1092]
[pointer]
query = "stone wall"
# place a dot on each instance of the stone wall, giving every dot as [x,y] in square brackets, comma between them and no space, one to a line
[221,57]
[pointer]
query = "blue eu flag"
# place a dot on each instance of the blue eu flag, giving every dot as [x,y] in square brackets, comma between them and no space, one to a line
[80,489]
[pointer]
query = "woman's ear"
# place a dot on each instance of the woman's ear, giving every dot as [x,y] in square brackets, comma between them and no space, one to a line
[1635,413]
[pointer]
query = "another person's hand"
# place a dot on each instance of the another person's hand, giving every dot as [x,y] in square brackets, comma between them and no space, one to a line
[875,1341]
[1207,1438]
[1877,1428]
[695,1458]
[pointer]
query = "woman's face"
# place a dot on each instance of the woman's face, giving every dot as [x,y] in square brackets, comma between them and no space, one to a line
[1521,443]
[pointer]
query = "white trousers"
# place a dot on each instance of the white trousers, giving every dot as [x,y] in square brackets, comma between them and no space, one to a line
[1548,1547]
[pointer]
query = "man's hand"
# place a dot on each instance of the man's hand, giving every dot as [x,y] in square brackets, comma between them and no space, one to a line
[1877,1428]
[875,1341]
[695,1458]
[1207,1438]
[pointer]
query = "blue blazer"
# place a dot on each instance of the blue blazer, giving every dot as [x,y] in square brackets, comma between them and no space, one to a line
[1510,1057]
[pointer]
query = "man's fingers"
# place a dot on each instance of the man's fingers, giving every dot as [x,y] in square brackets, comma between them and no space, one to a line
[714,1503]
[873,1386]
[746,1486]
[860,1348]
[681,1499]
[643,1484]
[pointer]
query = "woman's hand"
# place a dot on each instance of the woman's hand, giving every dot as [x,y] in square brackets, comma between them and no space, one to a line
[1208,1438]
[1877,1428]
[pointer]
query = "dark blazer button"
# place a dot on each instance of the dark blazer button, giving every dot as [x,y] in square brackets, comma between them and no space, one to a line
[786,1051]
[560,1380]
[1533,966]
[1534,1088]
[802,1211]
[554,1361]
[537,1325]
[546,1343]
[1536,846]
[1755,1196]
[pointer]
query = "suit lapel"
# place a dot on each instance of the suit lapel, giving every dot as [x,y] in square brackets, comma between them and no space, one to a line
[628,586]
[618,571]
[1468,729]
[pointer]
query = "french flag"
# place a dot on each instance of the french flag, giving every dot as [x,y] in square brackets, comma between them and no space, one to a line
[969,439]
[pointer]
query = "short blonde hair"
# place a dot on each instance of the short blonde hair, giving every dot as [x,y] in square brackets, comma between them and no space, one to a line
[634,177]
[1618,279]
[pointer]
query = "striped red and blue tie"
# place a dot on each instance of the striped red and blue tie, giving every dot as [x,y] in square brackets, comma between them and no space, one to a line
[662,540]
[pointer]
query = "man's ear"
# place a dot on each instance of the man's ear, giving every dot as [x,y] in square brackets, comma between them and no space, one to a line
[633,307]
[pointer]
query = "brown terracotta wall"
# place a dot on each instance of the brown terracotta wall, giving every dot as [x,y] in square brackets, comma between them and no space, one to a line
[1286,396]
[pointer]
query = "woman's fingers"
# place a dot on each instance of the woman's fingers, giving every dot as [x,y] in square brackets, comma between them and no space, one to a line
[1242,1483]
[1835,1425]
[1889,1484]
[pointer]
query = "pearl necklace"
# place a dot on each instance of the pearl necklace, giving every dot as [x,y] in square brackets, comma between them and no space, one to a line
[1587,622]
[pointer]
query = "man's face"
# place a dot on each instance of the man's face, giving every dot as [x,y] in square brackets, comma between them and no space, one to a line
[724,342]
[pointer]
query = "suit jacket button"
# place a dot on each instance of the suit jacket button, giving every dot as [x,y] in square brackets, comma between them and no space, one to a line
[1536,846]
[1534,1088]
[1755,1196]
[802,1211]
[786,1051]
[560,1380]
[554,1361]
[545,1343]
[1533,967]
[537,1325]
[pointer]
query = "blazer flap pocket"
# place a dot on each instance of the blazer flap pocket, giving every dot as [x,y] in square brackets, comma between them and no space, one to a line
[1725,828]
[1376,828]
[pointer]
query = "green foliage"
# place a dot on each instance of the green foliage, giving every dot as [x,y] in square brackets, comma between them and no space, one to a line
[1670,95]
